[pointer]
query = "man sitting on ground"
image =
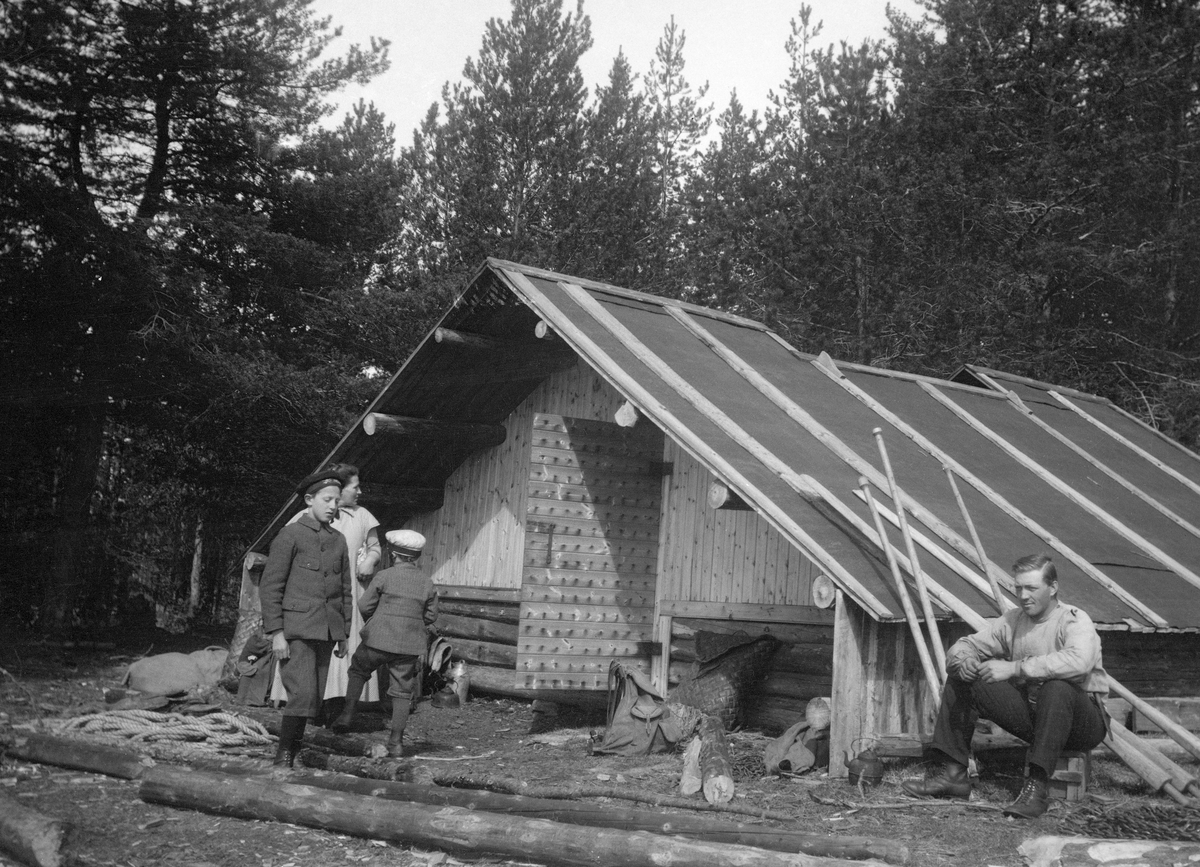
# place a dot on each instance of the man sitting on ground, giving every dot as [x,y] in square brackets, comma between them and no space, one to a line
[1036,672]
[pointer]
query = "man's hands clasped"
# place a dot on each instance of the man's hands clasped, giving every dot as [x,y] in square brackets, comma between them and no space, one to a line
[989,671]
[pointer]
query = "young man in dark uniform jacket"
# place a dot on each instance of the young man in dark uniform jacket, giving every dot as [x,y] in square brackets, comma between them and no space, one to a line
[305,594]
[400,607]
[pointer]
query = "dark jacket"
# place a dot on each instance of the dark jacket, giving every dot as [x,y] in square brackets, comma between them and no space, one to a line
[305,585]
[400,607]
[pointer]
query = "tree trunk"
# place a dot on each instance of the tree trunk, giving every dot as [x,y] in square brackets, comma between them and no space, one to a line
[453,829]
[606,816]
[249,615]
[76,754]
[197,562]
[72,516]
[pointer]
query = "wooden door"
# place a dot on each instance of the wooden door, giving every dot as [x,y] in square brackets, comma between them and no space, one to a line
[591,551]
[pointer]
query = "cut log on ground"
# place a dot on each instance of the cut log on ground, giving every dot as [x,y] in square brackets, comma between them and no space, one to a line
[78,755]
[1087,852]
[690,781]
[581,790]
[493,680]
[605,816]
[716,770]
[453,829]
[29,836]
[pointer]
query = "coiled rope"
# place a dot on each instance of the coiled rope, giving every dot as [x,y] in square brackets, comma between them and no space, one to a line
[219,728]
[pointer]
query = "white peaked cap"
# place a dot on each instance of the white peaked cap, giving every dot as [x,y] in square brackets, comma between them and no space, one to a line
[406,540]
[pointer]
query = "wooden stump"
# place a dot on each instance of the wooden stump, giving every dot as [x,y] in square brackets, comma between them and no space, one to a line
[29,836]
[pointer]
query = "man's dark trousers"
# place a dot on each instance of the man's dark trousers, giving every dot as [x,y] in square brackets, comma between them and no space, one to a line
[1053,716]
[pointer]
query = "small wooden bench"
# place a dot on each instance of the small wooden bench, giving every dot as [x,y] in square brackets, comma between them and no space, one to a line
[1072,775]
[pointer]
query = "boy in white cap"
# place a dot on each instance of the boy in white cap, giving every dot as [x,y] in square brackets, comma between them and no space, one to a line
[400,607]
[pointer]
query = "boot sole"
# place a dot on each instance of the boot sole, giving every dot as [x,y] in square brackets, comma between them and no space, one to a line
[945,796]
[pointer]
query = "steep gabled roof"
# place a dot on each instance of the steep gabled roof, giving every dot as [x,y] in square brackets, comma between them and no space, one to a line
[1037,468]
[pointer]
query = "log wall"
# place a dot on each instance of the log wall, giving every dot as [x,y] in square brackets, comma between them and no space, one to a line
[477,537]
[723,555]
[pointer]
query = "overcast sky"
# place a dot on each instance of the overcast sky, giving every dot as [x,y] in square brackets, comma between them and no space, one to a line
[731,45]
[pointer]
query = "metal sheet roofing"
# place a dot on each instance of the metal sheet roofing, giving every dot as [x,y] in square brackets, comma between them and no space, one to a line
[1038,468]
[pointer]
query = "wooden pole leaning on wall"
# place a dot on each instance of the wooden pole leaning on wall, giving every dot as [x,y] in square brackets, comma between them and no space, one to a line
[1181,778]
[997,596]
[1178,733]
[935,635]
[1134,753]
[910,614]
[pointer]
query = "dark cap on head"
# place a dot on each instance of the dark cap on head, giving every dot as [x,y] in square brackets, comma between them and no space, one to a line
[313,483]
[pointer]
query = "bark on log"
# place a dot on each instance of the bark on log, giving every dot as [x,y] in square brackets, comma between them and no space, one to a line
[486,653]
[453,829]
[500,613]
[313,736]
[715,767]
[690,781]
[390,778]
[458,626]
[78,755]
[1087,852]
[29,836]
[495,680]
[603,816]
[620,793]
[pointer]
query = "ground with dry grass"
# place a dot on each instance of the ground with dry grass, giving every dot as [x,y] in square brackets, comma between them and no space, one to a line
[44,685]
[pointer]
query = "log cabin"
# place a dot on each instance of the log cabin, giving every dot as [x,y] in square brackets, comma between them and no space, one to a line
[603,474]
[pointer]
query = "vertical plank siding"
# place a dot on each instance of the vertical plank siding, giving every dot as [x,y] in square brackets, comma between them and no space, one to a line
[877,683]
[477,537]
[719,555]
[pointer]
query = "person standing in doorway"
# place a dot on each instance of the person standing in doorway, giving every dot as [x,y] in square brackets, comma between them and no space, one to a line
[360,528]
[306,601]
[400,608]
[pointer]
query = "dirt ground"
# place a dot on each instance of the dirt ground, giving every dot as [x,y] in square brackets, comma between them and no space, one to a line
[44,685]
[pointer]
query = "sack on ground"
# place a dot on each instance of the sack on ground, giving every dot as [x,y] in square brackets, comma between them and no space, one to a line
[639,720]
[255,668]
[174,673]
[797,750]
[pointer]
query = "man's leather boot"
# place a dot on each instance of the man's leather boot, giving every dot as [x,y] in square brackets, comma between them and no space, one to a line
[354,688]
[401,708]
[291,731]
[946,780]
[1032,801]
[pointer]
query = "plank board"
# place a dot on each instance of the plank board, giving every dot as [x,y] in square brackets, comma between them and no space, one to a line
[604,598]
[624,632]
[591,550]
[559,613]
[581,580]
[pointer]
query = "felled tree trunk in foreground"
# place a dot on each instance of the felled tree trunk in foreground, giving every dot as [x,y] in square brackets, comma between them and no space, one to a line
[1085,852]
[452,829]
[29,836]
[608,816]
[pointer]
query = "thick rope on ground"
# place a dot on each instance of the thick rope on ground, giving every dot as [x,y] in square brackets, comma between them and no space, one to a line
[219,729]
